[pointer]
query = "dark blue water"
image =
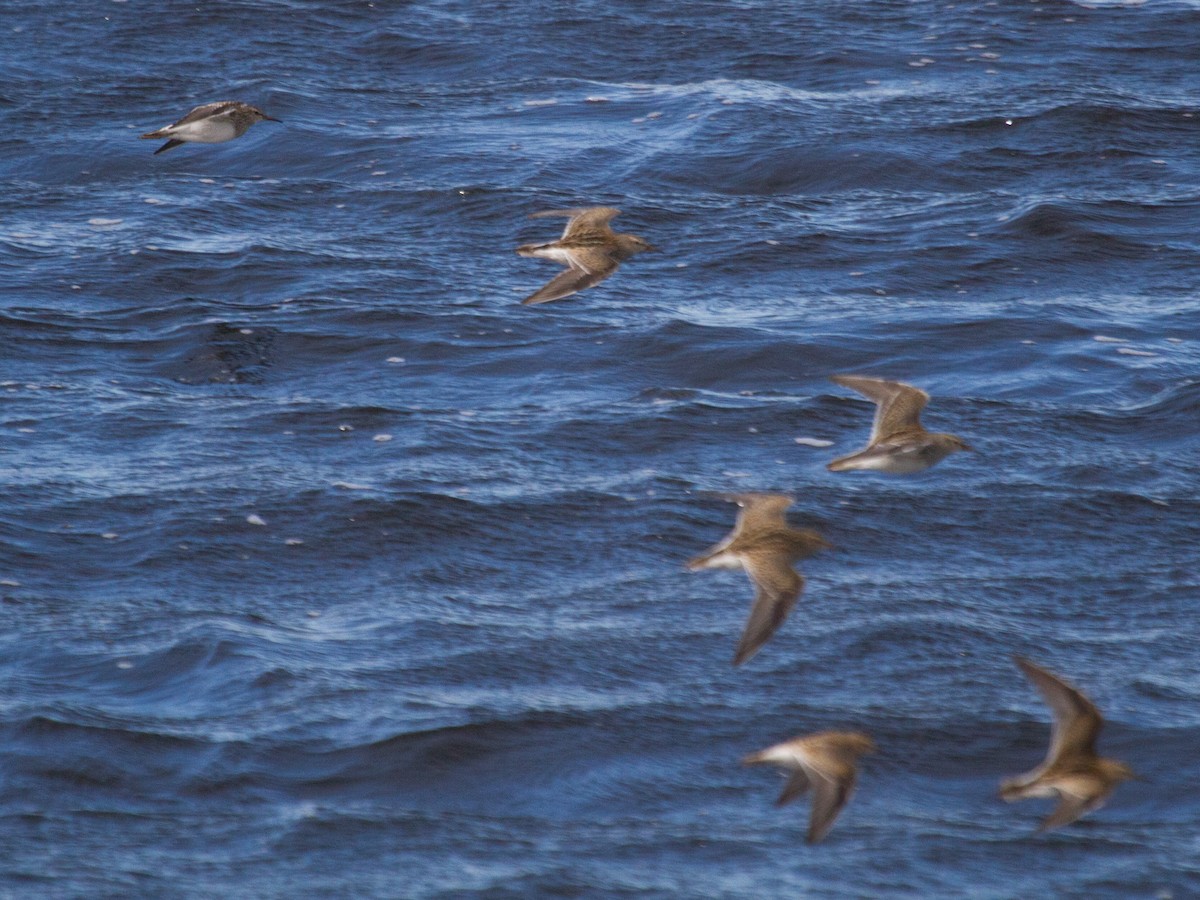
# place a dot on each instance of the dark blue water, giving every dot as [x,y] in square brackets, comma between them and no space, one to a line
[327,569]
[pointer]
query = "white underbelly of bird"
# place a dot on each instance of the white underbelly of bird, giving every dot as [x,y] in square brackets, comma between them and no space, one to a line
[206,131]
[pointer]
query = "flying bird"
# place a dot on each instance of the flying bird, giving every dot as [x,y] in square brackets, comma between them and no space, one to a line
[766,547]
[1072,770]
[827,762]
[212,123]
[898,444]
[588,248]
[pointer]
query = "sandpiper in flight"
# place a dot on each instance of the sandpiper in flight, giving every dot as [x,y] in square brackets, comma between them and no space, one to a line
[765,546]
[212,123]
[588,247]
[1071,771]
[898,444]
[826,762]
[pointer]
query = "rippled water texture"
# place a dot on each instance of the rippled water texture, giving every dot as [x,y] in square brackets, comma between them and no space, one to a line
[327,569]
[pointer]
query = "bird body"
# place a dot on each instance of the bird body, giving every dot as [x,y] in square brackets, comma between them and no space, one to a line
[212,123]
[588,248]
[1071,771]
[826,762]
[766,547]
[898,445]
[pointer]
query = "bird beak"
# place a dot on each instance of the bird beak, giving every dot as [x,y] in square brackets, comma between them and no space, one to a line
[273,119]
[650,247]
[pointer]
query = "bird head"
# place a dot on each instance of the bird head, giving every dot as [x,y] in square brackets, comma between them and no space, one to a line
[631,244]
[260,116]
[957,443]
[1118,771]
[1010,789]
[858,743]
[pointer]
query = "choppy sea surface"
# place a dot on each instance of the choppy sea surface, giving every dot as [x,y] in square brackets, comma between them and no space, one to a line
[329,570]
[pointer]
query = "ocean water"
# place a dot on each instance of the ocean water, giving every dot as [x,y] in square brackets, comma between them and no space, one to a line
[327,569]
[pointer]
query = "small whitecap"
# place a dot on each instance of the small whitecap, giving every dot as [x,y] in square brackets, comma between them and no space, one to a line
[548,102]
[379,172]
[382,438]
[10,582]
[313,614]
[293,542]
[773,243]
[351,486]
[153,201]
[245,331]
[1129,351]
[654,115]
[813,442]
[1105,339]
[1027,341]
[595,99]
[1174,340]
[752,430]
[110,535]
[394,360]
[124,664]
[638,121]
[255,519]
[345,428]
[99,223]
[208,181]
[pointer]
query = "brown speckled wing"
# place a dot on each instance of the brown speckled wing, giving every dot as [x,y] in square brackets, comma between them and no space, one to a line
[777,589]
[572,280]
[761,510]
[829,796]
[1077,722]
[1070,808]
[208,110]
[898,405]
[797,783]
[582,218]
